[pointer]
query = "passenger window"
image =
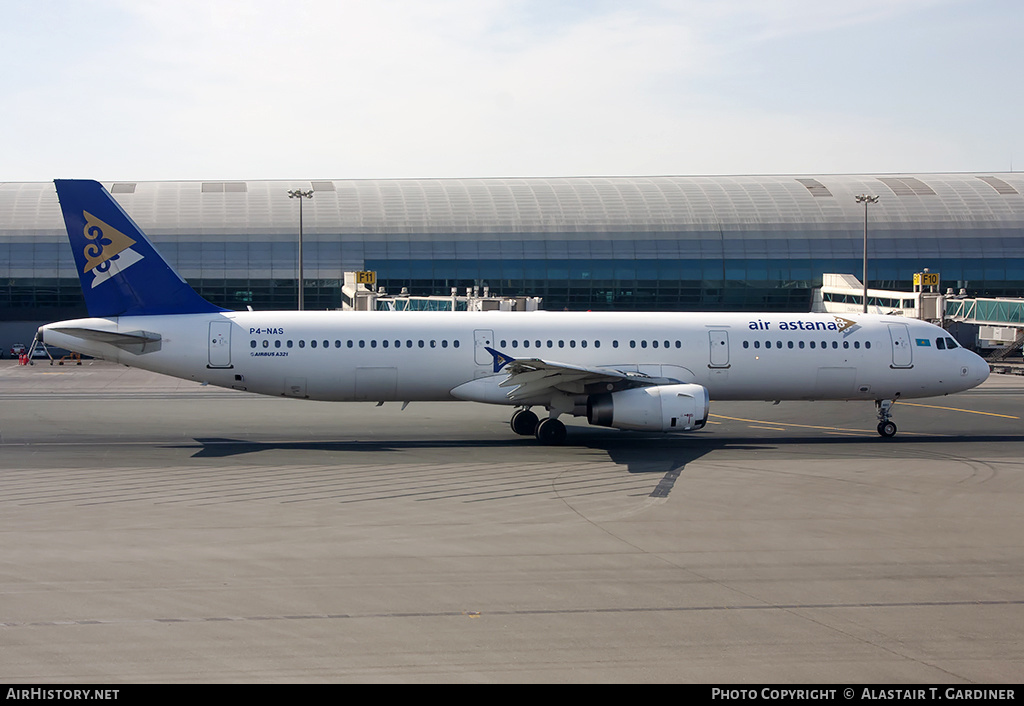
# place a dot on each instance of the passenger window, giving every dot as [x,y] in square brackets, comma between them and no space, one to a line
[312,344]
[277,343]
[266,344]
[252,344]
[867,344]
[757,344]
[615,344]
[289,344]
[746,344]
[349,343]
[801,344]
[385,343]
[856,344]
[302,344]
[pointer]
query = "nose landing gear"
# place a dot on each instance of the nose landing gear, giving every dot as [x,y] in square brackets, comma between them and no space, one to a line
[886,427]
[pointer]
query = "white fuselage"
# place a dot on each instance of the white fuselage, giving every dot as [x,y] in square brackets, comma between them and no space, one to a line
[412,356]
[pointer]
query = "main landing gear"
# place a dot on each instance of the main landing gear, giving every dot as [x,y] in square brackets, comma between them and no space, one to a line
[549,431]
[524,422]
[886,427]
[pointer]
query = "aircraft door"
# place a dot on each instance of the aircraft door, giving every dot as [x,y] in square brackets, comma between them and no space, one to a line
[902,352]
[482,339]
[719,349]
[220,344]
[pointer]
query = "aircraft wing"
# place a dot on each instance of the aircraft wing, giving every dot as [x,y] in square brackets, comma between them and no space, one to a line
[535,378]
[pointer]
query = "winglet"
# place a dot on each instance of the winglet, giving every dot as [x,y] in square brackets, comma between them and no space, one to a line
[500,359]
[121,272]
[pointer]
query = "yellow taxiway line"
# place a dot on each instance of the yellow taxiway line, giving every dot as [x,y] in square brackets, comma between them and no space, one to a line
[856,431]
[956,409]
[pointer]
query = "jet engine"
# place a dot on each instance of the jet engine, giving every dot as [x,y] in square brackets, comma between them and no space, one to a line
[657,408]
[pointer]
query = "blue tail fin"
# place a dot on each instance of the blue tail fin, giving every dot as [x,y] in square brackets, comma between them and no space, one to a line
[122,274]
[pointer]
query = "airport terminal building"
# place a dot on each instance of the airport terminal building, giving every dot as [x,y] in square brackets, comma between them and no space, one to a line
[610,243]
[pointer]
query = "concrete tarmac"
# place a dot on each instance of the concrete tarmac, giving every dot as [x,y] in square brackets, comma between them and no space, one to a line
[153,530]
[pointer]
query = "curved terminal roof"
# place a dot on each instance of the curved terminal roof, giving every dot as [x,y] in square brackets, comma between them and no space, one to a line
[532,207]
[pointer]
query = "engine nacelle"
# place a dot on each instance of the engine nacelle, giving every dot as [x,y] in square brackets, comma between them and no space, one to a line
[657,408]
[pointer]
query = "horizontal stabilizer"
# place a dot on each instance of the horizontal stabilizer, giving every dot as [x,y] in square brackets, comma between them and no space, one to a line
[137,342]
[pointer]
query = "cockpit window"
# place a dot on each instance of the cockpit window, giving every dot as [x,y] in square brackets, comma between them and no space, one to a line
[940,343]
[951,344]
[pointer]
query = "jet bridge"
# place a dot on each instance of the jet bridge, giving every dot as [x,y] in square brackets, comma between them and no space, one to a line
[993,325]
[844,294]
[357,296]
[1000,323]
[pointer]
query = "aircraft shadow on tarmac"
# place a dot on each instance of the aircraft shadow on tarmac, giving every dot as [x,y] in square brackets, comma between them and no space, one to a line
[637,453]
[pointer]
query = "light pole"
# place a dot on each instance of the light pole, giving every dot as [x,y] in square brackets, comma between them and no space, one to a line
[300,194]
[866,199]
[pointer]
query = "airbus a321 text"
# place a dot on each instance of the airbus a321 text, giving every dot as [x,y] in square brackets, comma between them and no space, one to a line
[635,371]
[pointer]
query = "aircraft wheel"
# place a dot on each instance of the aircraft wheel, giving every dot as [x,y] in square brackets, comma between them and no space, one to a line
[551,432]
[524,422]
[887,429]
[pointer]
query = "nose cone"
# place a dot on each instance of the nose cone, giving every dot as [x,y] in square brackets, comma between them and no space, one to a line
[977,370]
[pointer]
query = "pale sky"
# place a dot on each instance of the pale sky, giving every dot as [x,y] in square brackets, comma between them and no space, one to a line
[338,89]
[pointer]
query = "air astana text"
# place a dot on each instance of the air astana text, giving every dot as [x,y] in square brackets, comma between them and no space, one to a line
[837,325]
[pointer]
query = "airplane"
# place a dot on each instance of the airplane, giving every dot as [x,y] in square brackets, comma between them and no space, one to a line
[625,370]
